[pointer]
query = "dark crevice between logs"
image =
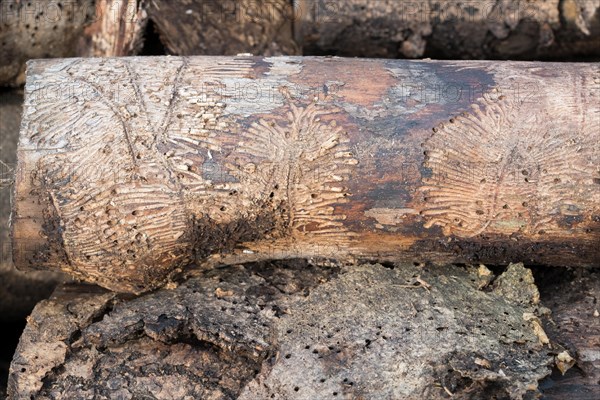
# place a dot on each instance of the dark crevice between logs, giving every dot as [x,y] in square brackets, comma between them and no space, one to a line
[153,45]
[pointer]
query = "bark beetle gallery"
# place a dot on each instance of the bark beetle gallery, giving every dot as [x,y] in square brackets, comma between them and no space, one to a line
[152,164]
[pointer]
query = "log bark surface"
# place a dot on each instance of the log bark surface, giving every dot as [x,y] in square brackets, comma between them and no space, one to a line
[130,169]
[573,297]
[292,331]
[497,29]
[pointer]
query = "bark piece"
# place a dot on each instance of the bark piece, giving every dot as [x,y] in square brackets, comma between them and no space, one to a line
[573,298]
[46,339]
[154,163]
[450,29]
[289,331]
[229,27]
[19,291]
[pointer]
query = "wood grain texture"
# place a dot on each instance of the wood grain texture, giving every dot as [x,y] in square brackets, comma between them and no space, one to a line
[130,169]
[117,29]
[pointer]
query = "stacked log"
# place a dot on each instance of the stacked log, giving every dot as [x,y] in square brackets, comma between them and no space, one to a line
[109,28]
[497,29]
[45,29]
[176,181]
[132,169]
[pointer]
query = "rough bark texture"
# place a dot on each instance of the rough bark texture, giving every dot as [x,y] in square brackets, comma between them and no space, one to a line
[574,299]
[502,29]
[132,168]
[292,331]
[384,28]
[224,27]
[38,30]
[19,291]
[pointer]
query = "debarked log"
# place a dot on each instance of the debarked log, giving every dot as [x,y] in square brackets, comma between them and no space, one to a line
[130,169]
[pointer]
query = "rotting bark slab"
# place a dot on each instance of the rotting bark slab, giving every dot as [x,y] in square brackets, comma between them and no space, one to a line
[291,331]
[573,295]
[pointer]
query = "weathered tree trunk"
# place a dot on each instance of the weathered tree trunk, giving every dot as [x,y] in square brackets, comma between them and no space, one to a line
[131,168]
[44,29]
[502,29]
[224,27]
[292,331]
